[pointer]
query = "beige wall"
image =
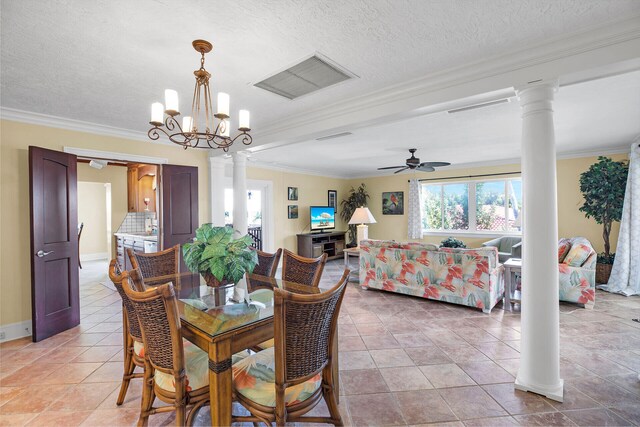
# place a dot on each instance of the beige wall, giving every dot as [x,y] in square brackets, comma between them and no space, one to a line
[15,138]
[571,222]
[312,191]
[92,213]
[117,177]
[15,253]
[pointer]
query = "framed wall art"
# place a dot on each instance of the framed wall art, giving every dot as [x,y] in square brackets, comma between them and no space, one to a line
[332,199]
[292,193]
[393,203]
[292,212]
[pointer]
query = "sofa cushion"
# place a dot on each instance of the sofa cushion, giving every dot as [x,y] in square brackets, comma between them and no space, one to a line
[563,249]
[490,252]
[577,255]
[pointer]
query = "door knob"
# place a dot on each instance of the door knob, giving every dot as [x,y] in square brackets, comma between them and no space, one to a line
[42,254]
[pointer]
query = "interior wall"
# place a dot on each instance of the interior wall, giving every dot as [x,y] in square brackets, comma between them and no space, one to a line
[117,177]
[312,191]
[16,137]
[92,213]
[571,222]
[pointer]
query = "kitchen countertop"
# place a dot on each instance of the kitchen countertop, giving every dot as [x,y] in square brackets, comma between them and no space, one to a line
[152,237]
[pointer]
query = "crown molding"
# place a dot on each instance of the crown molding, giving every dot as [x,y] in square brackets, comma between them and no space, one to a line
[291,169]
[70,124]
[522,63]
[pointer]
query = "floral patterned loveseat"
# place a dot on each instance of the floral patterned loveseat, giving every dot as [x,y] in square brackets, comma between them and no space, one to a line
[471,277]
[577,271]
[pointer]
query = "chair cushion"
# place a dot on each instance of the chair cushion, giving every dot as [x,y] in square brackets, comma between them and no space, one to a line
[197,365]
[138,348]
[266,344]
[563,249]
[577,255]
[254,378]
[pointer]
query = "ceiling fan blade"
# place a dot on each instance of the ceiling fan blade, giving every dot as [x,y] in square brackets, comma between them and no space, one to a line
[391,167]
[400,170]
[424,168]
[434,164]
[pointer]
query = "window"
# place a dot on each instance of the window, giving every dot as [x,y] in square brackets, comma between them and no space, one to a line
[491,207]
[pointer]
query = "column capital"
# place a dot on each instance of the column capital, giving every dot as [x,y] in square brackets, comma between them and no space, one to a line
[536,91]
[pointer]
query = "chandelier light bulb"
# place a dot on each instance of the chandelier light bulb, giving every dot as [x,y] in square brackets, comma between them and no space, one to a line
[171,101]
[243,120]
[187,124]
[157,113]
[223,104]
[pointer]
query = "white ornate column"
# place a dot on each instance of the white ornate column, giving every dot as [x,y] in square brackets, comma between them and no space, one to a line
[540,344]
[216,177]
[240,220]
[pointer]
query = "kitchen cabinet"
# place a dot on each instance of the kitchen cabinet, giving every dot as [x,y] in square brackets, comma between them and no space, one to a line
[141,185]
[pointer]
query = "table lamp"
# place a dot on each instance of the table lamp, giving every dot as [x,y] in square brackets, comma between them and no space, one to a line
[362,216]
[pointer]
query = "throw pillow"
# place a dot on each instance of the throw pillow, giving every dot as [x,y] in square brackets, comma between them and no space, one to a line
[563,249]
[577,255]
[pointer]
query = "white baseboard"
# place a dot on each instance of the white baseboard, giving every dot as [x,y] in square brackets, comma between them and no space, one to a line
[94,257]
[12,331]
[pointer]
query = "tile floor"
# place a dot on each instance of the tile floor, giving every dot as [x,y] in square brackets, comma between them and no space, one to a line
[403,361]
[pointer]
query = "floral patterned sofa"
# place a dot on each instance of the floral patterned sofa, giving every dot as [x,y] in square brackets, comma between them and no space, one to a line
[577,271]
[471,277]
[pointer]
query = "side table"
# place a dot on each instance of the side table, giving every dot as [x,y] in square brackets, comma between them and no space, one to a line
[355,272]
[511,266]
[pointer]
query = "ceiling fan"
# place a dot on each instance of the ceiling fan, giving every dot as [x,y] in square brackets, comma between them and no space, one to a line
[413,163]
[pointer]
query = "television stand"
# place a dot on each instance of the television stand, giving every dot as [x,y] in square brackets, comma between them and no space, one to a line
[313,245]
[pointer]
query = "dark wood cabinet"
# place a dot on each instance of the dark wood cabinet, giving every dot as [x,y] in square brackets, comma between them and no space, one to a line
[313,245]
[141,184]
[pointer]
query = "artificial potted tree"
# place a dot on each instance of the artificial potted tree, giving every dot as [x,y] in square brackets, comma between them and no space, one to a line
[603,186]
[357,198]
[218,257]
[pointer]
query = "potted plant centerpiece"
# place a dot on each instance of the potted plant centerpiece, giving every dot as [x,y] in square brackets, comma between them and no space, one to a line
[603,186]
[452,242]
[218,257]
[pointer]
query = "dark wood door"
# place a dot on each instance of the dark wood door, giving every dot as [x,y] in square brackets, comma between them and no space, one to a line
[55,300]
[180,216]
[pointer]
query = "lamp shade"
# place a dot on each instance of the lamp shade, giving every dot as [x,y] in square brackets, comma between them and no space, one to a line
[362,216]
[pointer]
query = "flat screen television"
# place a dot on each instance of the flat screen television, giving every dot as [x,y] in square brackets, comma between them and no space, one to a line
[322,218]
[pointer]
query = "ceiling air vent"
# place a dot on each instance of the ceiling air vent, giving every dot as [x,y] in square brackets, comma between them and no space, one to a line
[308,76]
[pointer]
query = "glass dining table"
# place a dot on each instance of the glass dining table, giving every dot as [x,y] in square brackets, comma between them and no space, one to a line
[227,320]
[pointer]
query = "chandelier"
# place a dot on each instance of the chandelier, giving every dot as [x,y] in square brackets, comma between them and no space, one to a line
[201,129]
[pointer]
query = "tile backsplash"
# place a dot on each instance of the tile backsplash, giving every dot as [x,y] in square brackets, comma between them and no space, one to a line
[134,222]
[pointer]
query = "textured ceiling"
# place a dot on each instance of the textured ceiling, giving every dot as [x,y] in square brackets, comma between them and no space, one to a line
[106,61]
[595,115]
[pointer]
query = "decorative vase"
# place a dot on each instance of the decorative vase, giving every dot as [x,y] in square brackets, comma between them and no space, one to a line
[211,280]
[603,271]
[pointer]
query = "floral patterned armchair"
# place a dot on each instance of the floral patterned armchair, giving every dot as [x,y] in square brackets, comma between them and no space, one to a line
[471,277]
[577,271]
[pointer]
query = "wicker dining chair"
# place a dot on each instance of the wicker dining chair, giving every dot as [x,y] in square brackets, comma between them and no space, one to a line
[286,381]
[158,268]
[299,269]
[268,263]
[175,372]
[131,334]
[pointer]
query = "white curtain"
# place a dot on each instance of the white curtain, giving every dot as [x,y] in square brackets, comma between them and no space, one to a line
[415,205]
[625,275]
